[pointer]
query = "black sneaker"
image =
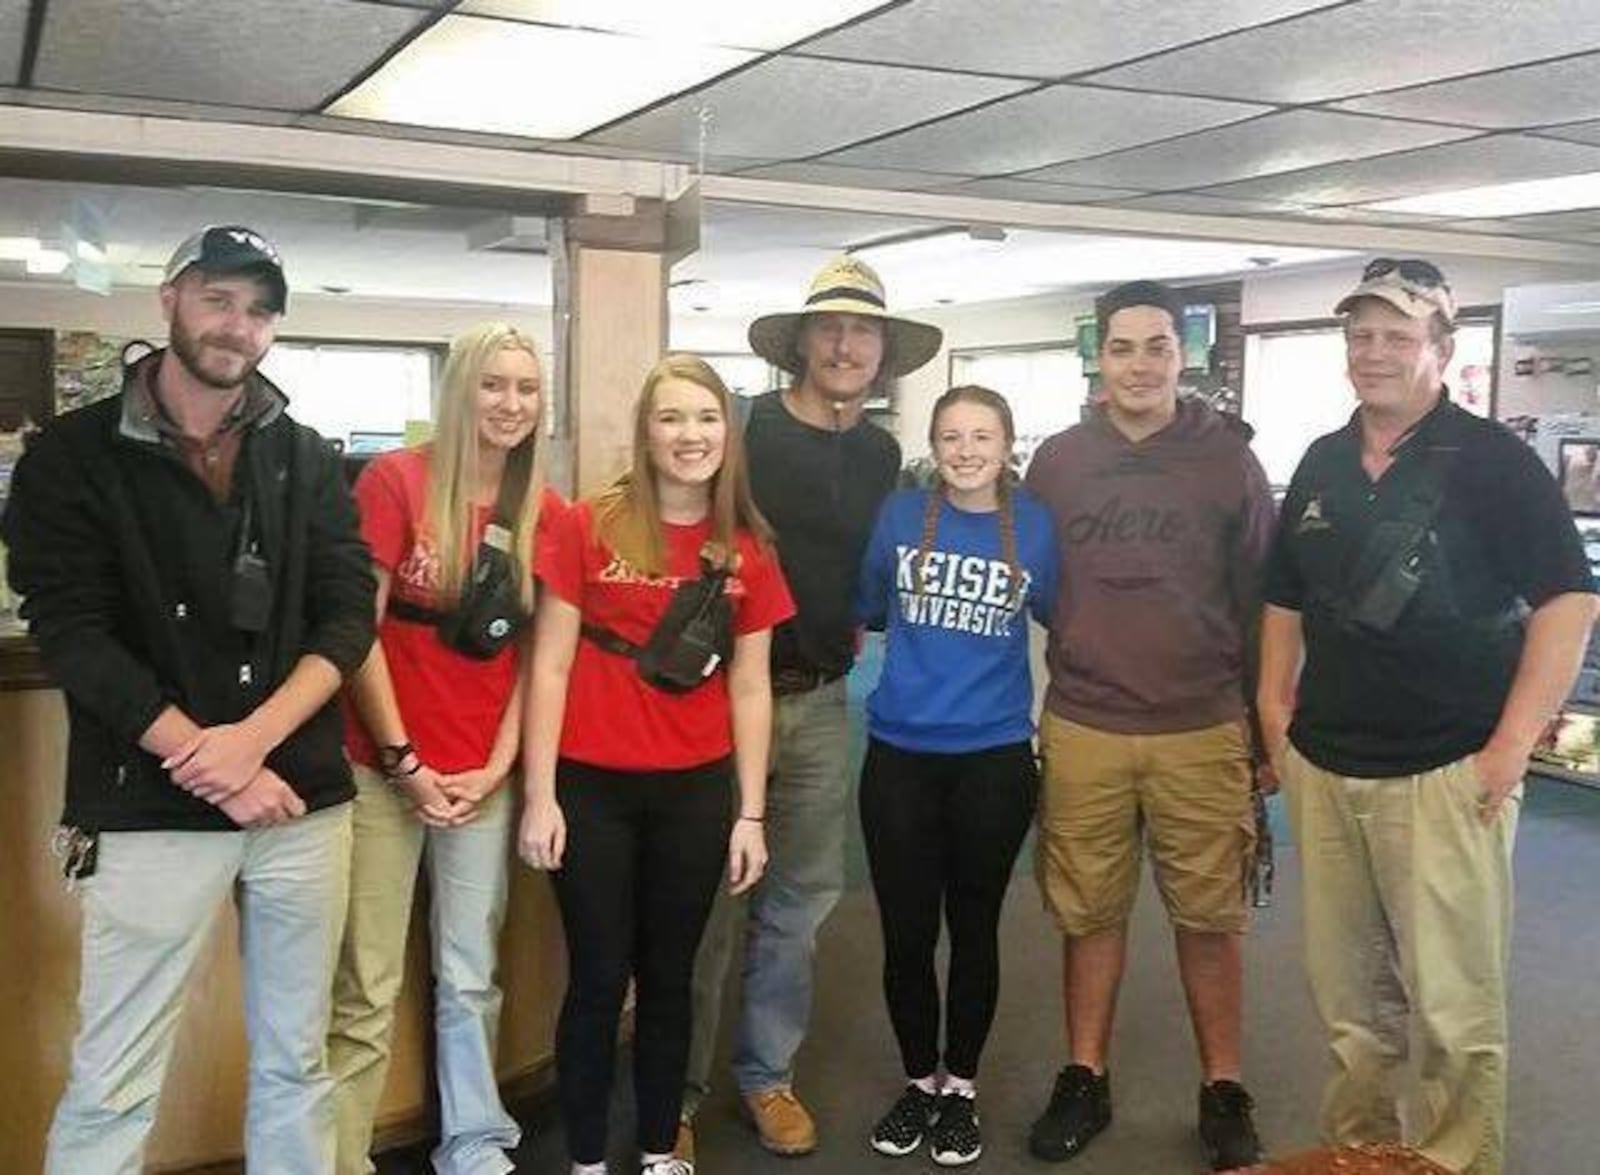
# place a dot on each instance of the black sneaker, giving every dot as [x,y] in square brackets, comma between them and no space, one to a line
[1079,1109]
[1226,1128]
[954,1140]
[900,1131]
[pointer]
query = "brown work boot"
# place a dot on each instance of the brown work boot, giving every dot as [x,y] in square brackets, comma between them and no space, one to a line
[784,1126]
[683,1148]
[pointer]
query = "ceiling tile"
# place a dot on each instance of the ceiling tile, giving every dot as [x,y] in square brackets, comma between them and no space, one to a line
[1473,163]
[1263,146]
[1354,49]
[1041,38]
[1533,95]
[1047,126]
[825,104]
[1037,193]
[13,31]
[306,49]
[1188,203]
[832,175]
[732,24]
[1552,224]
[1577,132]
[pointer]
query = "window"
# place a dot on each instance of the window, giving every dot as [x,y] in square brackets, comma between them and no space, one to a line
[359,393]
[1044,385]
[1296,389]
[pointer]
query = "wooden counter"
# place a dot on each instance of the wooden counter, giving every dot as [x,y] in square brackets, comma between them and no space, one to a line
[202,1109]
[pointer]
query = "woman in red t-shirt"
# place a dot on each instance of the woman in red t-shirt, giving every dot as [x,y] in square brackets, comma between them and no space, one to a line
[628,784]
[433,733]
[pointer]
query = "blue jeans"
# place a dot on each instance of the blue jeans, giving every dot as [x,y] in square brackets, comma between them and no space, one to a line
[147,911]
[808,801]
[468,875]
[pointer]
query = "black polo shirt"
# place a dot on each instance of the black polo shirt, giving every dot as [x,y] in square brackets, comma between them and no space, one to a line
[1430,691]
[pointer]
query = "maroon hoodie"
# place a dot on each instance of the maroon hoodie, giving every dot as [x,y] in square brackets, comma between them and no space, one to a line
[1162,544]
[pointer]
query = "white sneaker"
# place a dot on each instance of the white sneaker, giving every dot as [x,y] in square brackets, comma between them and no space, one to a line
[673,1166]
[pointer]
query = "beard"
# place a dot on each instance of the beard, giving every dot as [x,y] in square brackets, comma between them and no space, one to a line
[190,352]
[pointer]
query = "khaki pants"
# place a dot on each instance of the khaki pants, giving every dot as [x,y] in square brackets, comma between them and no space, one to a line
[468,873]
[147,912]
[1407,903]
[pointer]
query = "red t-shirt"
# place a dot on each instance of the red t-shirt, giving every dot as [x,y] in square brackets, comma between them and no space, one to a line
[451,704]
[613,719]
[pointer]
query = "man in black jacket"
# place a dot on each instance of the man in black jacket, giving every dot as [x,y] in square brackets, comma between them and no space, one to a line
[196,584]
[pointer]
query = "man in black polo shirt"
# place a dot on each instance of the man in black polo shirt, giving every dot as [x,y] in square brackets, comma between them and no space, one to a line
[1427,568]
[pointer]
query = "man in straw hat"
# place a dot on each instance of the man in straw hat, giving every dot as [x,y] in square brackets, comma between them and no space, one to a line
[820,470]
[1430,580]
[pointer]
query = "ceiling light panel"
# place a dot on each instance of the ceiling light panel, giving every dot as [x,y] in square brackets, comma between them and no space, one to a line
[824,105]
[1491,159]
[1041,38]
[1047,126]
[287,55]
[1263,146]
[13,27]
[1353,49]
[1519,198]
[523,79]
[1534,95]
[737,24]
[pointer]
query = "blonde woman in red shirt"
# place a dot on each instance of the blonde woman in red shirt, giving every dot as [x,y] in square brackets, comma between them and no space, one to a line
[434,733]
[636,722]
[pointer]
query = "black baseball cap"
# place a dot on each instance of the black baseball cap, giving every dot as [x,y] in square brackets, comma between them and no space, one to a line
[232,248]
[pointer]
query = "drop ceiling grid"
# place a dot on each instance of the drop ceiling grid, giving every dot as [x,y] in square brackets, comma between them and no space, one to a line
[1290,140]
[823,105]
[218,51]
[1355,49]
[1043,39]
[1042,127]
[1538,95]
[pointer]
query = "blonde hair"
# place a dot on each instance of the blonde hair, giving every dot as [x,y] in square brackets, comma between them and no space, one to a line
[628,512]
[453,462]
[996,403]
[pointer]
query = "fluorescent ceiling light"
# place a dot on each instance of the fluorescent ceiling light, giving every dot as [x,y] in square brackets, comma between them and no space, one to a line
[739,24]
[48,262]
[521,79]
[18,248]
[1525,197]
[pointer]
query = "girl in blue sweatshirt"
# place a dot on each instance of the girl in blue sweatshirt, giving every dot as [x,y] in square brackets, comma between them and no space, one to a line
[949,784]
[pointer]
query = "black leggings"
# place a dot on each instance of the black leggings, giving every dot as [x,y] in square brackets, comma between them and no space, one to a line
[645,854]
[944,829]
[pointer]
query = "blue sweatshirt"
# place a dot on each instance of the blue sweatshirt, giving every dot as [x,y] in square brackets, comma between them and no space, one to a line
[955,675]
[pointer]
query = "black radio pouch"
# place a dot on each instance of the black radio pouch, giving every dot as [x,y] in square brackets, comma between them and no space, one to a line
[250,582]
[692,640]
[1390,569]
[488,614]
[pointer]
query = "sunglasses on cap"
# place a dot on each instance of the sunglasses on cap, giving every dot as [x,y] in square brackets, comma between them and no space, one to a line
[1412,269]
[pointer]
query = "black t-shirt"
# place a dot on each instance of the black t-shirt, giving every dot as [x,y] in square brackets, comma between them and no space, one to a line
[821,490]
[1429,691]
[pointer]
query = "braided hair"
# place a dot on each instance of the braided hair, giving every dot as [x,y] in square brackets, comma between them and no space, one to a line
[996,403]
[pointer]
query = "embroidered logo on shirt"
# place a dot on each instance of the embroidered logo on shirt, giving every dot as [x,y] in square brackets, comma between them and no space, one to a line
[1311,518]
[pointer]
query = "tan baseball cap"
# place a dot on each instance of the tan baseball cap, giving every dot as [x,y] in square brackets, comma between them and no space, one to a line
[1412,286]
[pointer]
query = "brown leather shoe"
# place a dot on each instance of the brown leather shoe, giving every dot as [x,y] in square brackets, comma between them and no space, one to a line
[683,1148]
[784,1126]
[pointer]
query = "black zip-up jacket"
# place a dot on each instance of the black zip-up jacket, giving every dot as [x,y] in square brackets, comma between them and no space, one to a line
[125,559]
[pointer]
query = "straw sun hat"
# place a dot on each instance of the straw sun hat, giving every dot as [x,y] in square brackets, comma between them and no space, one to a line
[846,285]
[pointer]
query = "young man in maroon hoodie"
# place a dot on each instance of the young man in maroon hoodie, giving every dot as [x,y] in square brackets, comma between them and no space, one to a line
[1164,518]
